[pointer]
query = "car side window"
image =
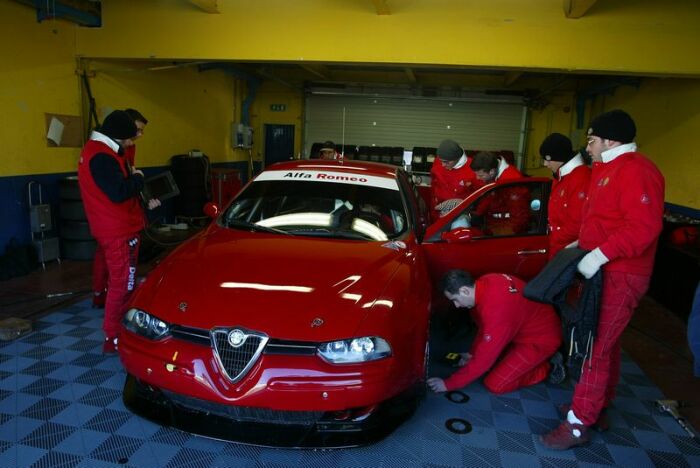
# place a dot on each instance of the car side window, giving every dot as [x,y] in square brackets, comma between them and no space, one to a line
[506,210]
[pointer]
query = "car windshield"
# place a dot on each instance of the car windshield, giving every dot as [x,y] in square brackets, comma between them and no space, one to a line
[307,207]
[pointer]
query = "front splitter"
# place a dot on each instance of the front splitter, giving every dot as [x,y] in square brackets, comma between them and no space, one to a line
[327,433]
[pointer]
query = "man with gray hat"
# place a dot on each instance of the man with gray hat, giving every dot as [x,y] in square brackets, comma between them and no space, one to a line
[569,190]
[622,220]
[451,178]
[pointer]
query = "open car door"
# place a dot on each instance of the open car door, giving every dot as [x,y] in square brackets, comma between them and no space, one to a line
[501,228]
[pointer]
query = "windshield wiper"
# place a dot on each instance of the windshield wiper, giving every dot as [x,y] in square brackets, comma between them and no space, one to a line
[241,224]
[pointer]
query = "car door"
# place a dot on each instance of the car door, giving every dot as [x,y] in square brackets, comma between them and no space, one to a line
[501,228]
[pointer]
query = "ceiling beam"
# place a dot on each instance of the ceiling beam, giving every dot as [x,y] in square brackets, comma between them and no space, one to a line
[577,8]
[210,6]
[511,77]
[382,7]
[411,76]
[269,74]
[317,69]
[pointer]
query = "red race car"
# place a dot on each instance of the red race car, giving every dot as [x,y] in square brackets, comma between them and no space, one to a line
[300,316]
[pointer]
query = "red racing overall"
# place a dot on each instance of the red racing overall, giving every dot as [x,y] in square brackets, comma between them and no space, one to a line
[99,263]
[115,226]
[622,217]
[447,184]
[565,208]
[524,333]
[507,210]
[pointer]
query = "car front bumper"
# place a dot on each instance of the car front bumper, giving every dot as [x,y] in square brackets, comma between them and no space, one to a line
[272,428]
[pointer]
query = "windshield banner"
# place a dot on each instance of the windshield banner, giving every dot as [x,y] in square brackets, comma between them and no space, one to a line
[330,177]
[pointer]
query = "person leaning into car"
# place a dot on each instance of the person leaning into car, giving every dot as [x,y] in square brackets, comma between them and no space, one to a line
[569,190]
[110,191]
[524,333]
[451,178]
[507,210]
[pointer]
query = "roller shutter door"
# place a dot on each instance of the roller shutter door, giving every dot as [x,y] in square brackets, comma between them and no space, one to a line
[412,122]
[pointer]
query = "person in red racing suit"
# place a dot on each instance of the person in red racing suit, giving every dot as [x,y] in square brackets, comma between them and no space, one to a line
[451,178]
[99,264]
[622,220]
[110,189]
[506,210]
[515,337]
[569,190]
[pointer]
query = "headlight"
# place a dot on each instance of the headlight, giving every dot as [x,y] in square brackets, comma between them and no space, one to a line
[368,348]
[144,324]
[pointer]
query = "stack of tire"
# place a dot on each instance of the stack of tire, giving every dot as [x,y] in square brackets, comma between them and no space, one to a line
[76,241]
[191,174]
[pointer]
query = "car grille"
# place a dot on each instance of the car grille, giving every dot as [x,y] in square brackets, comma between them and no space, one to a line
[246,414]
[201,336]
[236,361]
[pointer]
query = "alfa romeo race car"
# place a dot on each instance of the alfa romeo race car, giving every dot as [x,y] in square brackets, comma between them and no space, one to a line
[299,317]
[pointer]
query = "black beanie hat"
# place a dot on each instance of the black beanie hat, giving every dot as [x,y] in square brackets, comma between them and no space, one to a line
[556,147]
[449,150]
[616,125]
[118,126]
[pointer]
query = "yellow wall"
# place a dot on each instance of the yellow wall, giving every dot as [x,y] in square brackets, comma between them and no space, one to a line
[275,93]
[615,36]
[37,75]
[558,116]
[667,114]
[186,109]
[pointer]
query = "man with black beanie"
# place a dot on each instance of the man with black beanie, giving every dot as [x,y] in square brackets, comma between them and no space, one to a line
[569,190]
[141,122]
[622,220]
[451,178]
[110,190]
[99,267]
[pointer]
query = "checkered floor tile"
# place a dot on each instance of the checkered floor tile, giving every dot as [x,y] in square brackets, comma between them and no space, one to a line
[60,406]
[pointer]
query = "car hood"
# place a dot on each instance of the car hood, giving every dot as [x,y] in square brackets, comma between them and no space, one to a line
[289,287]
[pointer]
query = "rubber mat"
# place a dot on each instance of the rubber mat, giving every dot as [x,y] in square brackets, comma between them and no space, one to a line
[60,406]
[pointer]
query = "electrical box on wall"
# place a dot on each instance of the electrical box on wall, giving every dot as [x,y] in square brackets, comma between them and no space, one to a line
[241,135]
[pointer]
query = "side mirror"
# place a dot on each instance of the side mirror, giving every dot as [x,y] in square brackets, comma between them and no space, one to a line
[458,235]
[211,209]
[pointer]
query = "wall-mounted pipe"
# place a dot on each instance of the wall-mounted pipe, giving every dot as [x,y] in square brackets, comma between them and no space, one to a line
[252,81]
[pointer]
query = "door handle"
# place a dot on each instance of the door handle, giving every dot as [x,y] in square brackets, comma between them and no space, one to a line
[532,252]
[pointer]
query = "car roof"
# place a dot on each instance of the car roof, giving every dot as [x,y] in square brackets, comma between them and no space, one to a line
[347,165]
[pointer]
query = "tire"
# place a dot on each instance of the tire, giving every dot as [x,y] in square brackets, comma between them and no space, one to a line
[75,230]
[72,211]
[68,188]
[78,250]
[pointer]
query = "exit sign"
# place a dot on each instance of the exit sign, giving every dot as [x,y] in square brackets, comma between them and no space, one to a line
[278,107]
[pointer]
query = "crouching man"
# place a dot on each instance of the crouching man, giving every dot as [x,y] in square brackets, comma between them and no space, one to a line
[522,333]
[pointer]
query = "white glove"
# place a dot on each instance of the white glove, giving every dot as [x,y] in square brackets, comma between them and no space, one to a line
[591,263]
[573,245]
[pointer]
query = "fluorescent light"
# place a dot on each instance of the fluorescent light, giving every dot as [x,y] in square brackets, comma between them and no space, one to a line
[266,287]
